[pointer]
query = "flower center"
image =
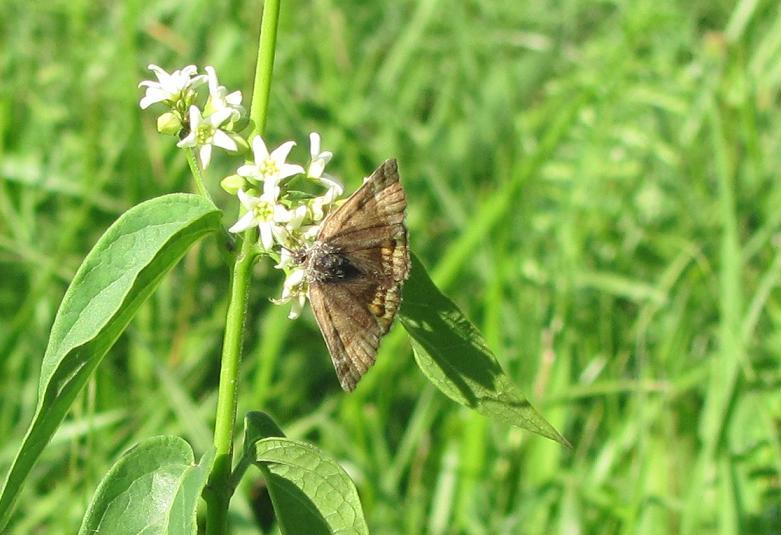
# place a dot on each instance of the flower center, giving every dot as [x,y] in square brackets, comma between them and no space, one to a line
[264,211]
[269,168]
[204,133]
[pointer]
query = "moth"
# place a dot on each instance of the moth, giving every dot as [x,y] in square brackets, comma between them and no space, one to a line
[355,270]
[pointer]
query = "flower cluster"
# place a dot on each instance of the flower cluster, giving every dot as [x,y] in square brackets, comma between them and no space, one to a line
[287,219]
[214,125]
[286,202]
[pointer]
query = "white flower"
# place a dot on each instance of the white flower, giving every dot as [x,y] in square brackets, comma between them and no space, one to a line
[169,87]
[263,212]
[285,258]
[294,218]
[220,99]
[289,235]
[205,132]
[318,159]
[309,233]
[317,163]
[269,168]
[318,205]
[294,289]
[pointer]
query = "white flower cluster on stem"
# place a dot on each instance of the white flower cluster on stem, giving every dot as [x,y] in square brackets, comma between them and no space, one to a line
[214,125]
[288,220]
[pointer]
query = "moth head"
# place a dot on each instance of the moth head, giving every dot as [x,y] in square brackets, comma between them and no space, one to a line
[299,256]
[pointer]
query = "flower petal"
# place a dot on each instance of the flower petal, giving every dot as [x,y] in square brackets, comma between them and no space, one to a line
[259,149]
[246,199]
[159,71]
[331,183]
[212,78]
[286,170]
[246,221]
[234,99]
[188,141]
[285,258]
[220,116]
[205,155]
[266,237]
[153,96]
[190,70]
[195,118]
[224,141]
[317,208]
[281,236]
[271,189]
[280,153]
[297,216]
[314,145]
[310,232]
[298,306]
[282,214]
[295,278]
[295,310]
[317,166]
[248,170]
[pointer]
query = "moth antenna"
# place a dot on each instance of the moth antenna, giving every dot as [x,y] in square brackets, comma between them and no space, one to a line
[297,249]
[290,237]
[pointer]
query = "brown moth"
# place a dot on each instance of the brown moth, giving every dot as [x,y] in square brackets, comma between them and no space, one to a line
[355,270]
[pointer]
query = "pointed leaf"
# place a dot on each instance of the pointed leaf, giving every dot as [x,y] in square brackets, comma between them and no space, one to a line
[311,493]
[451,352]
[119,273]
[257,426]
[152,489]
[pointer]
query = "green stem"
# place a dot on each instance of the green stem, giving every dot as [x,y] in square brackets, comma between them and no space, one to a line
[219,495]
[220,487]
[225,241]
[264,67]
[195,169]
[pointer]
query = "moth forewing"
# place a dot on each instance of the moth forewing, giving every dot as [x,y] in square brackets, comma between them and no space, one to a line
[356,268]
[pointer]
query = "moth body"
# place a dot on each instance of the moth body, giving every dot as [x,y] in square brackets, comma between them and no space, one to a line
[326,264]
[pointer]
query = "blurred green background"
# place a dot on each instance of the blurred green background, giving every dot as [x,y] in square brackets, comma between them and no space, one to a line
[596,183]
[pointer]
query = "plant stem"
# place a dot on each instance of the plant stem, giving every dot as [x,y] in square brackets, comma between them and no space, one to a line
[195,169]
[225,241]
[265,66]
[220,489]
[219,495]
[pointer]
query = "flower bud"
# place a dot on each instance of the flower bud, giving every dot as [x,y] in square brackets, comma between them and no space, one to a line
[169,123]
[233,183]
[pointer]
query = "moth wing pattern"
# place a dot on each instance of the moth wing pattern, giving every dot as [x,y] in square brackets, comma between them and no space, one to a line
[369,227]
[351,332]
[353,315]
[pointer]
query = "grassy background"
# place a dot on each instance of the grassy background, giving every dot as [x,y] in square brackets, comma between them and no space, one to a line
[595,182]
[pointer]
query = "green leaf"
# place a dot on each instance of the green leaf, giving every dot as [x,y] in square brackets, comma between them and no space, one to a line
[452,353]
[182,518]
[153,488]
[257,426]
[122,270]
[311,493]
